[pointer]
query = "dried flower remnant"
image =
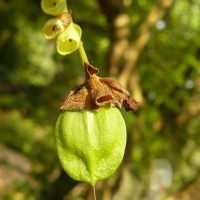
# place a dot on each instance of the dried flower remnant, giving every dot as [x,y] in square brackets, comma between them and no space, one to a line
[96,92]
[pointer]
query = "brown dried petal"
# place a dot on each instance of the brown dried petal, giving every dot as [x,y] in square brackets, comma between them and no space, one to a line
[79,99]
[96,92]
[121,94]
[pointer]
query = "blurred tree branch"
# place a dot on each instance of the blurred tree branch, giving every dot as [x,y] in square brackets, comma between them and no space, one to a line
[135,47]
[191,192]
[123,53]
[193,108]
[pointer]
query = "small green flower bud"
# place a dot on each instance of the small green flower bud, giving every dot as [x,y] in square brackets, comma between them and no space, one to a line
[53,7]
[69,40]
[90,144]
[53,28]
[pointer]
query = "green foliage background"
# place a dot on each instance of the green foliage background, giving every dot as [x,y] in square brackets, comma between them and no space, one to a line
[34,80]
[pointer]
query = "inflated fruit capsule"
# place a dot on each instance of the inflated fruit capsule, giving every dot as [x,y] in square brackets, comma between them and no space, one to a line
[54,7]
[90,144]
[53,28]
[69,40]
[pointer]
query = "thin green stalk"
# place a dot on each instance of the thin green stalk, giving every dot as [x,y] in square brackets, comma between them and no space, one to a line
[94,193]
[83,54]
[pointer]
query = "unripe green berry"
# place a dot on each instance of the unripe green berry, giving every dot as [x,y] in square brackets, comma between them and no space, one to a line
[69,40]
[53,7]
[53,28]
[90,144]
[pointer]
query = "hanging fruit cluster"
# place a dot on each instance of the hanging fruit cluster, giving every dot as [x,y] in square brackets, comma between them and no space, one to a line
[61,26]
[90,132]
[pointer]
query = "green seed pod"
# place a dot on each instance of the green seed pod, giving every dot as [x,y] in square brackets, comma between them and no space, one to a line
[69,40]
[53,28]
[53,7]
[90,144]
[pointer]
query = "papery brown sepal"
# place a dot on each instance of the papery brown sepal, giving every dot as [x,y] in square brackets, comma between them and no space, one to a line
[96,92]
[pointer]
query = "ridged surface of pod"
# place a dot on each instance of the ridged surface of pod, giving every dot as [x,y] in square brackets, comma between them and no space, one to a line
[90,144]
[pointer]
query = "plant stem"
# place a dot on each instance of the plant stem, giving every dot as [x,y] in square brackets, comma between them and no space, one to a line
[94,192]
[83,54]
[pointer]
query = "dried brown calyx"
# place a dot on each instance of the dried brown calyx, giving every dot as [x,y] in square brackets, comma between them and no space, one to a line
[66,18]
[96,92]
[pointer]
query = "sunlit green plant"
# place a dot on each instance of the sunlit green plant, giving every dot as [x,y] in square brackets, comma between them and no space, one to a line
[61,26]
[53,28]
[54,7]
[90,132]
[69,40]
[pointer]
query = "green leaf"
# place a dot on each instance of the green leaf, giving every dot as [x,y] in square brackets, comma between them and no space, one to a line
[69,40]
[90,144]
[54,7]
